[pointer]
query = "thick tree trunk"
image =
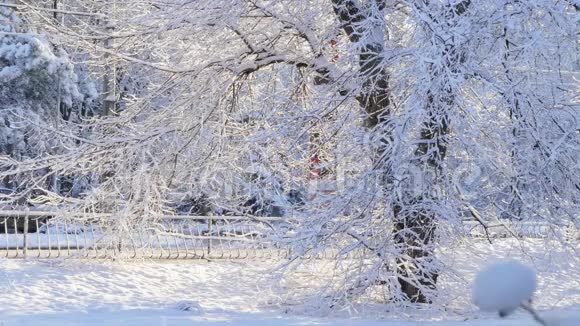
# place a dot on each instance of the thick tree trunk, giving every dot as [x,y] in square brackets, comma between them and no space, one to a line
[415,220]
[374,97]
[414,237]
[414,229]
[375,94]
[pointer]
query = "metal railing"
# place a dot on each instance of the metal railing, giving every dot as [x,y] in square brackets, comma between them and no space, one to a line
[522,229]
[42,234]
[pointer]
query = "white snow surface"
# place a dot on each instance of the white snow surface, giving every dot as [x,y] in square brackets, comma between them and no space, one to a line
[504,286]
[80,292]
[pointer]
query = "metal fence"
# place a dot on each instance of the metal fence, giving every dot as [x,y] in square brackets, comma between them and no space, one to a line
[519,229]
[43,235]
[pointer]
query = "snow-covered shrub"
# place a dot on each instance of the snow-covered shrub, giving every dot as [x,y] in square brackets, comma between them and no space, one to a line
[504,287]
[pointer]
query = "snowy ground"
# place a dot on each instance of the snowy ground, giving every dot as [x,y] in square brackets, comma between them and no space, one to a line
[73,292]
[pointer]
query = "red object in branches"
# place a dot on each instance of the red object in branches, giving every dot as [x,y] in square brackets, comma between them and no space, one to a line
[315,171]
[333,51]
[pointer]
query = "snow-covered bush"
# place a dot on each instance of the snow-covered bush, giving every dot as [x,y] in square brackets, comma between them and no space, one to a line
[504,287]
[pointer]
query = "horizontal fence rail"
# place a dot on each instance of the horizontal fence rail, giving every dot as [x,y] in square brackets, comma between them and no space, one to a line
[42,234]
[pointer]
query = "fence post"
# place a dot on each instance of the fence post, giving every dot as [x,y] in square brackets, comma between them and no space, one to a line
[210,222]
[25,233]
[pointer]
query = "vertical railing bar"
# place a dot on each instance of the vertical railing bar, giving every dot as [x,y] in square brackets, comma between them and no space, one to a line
[173,227]
[231,240]
[16,236]
[37,238]
[179,229]
[142,244]
[269,245]
[167,245]
[57,242]
[220,238]
[259,248]
[185,239]
[224,236]
[260,243]
[250,249]
[67,238]
[147,236]
[112,233]
[25,237]
[234,254]
[77,236]
[48,240]
[236,246]
[7,240]
[201,245]
[93,241]
[133,246]
[139,247]
[150,235]
[220,229]
[194,234]
[85,250]
[245,249]
[174,236]
[242,252]
[193,243]
[38,242]
[269,250]
[159,245]
[209,230]
[110,243]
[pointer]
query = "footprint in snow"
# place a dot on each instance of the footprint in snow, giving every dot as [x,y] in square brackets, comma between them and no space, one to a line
[190,306]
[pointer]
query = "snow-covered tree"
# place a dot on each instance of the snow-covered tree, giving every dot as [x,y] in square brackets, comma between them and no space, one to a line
[40,92]
[376,124]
